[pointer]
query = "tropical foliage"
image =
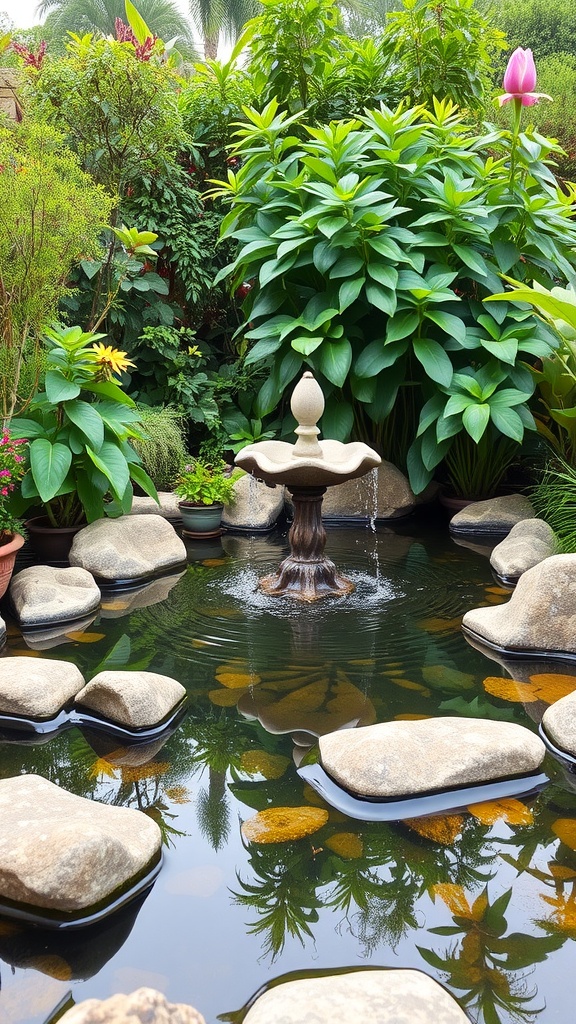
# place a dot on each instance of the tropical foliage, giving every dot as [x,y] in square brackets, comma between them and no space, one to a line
[370,247]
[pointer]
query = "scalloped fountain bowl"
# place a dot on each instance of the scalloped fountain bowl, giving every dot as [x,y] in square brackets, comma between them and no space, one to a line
[307,468]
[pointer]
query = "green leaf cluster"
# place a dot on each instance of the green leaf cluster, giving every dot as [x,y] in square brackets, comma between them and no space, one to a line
[370,246]
[79,429]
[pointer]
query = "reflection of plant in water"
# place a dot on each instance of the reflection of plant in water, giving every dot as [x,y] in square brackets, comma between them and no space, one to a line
[219,742]
[484,964]
[284,895]
[376,878]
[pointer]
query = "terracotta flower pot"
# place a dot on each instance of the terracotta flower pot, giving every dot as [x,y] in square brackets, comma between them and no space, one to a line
[8,554]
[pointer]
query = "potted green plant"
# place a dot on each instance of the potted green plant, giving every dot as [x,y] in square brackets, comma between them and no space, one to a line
[12,468]
[204,490]
[81,465]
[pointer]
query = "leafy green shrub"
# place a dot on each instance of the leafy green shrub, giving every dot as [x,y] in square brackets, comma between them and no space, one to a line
[371,247]
[545,26]
[162,447]
[51,215]
[554,499]
[557,77]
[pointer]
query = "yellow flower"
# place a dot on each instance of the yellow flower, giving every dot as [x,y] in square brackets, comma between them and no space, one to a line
[111,359]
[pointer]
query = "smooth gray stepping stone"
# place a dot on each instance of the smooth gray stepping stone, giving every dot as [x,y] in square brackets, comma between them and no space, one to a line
[255,507]
[128,548]
[404,758]
[65,852]
[540,615]
[372,997]
[43,594]
[167,507]
[37,687]
[493,516]
[145,1006]
[135,699]
[527,544]
[383,493]
[559,723]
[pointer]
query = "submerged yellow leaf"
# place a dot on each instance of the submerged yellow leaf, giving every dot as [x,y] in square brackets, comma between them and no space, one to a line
[498,590]
[564,911]
[346,844]
[551,687]
[410,718]
[283,824]
[561,871]
[507,809]
[85,638]
[260,762]
[225,698]
[442,830]
[407,684]
[237,680]
[509,689]
[565,829]
[212,563]
[547,687]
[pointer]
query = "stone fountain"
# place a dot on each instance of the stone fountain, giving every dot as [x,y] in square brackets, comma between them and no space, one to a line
[307,468]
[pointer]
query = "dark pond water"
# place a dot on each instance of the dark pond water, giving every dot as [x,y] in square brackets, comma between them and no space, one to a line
[483,900]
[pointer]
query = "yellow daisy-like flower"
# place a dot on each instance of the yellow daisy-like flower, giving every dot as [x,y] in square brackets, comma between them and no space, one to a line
[111,360]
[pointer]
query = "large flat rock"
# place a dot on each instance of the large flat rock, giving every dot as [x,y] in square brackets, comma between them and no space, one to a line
[528,543]
[382,494]
[372,997]
[64,852]
[494,517]
[145,1006]
[42,594]
[128,548]
[166,506]
[38,687]
[134,699]
[256,505]
[540,615]
[559,723]
[396,759]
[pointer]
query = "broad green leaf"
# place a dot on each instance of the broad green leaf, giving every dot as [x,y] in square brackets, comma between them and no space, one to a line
[338,419]
[305,344]
[401,326]
[452,325]
[136,22]
[475,419]
[58,388]
[21,427]
[347,266]
[88,420]
[434,360]
[418,475]
[381,272]
[377,356]
[556,308]
[335,358]
[448,426]
[471,258]
[508,422]
[111,462]
[262,349]
[90,496]
[49,465]
[505,350]
[383,298]
[140,477]
[349,292]
[107,389]
[268,397]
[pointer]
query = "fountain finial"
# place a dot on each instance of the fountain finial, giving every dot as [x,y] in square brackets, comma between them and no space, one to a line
[307,405]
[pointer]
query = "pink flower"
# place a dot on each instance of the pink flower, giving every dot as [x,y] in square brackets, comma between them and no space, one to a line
[520,80]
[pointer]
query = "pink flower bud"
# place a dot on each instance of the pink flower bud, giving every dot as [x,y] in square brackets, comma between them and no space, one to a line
[520,74]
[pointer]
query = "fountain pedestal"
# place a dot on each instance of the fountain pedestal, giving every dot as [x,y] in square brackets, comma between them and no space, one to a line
[307,468]
[306,574]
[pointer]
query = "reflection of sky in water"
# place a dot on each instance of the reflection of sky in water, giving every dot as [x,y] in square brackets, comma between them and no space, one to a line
[392,650]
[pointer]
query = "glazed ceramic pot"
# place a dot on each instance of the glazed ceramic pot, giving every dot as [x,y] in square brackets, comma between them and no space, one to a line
[8,554]
[201,520]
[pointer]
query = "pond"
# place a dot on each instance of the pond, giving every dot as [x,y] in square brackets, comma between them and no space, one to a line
[484,900]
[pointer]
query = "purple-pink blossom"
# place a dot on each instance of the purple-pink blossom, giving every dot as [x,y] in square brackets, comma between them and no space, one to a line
[520,80]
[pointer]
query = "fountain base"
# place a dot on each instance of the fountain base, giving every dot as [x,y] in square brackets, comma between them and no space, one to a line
[306,574]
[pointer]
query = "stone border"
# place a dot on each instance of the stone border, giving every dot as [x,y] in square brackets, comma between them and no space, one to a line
[520,653]
[561,755]
[78,716]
